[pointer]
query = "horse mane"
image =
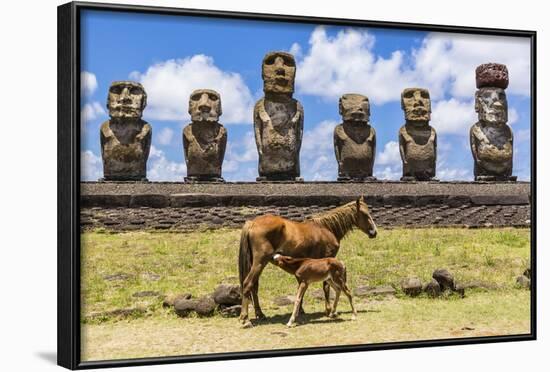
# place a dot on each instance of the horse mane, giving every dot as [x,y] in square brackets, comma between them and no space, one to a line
[339,220]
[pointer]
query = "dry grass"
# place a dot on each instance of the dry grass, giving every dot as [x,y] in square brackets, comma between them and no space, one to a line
[196,262]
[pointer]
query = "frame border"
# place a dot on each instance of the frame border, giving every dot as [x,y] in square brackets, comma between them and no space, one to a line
[68,183]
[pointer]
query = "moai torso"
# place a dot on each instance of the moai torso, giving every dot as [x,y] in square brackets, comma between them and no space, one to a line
[278,120]
[354,139]
[125,138]
[204,140]
[417,139]
[491,139]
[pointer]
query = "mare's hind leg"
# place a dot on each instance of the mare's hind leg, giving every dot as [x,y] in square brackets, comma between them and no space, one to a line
[249,283]
[326,290]
[257,309]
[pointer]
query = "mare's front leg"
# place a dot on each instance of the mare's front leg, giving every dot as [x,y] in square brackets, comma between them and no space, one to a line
[299,296]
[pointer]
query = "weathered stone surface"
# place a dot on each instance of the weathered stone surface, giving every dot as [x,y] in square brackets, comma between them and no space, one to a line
[125,137]
[523,281]
[230,311]
[203,306]
[278,120]
[204,139]
[417,139]
[149,200]
[492,75]
[227,294]
[284,300]
[354,139]
[527,273]
[381,290]
[432,288]
[411,286]
[170,300]
[147,294]
[444,278]
[491,138]
[500,199]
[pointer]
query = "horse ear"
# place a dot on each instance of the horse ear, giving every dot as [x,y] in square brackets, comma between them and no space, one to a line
[362,199]
[358,204]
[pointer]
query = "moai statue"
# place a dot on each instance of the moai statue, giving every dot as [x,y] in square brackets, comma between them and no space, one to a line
[125,137]
[278,121]
[491,138]
[417,139]
[355,139]
[204,140]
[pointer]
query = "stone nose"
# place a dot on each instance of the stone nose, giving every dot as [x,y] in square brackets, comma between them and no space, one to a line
[125,95]
[204,105]
[498,104]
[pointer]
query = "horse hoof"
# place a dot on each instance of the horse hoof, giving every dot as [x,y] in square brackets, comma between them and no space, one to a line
[261,316]
[291,325]
[333,315]
[247,324]
[353,317]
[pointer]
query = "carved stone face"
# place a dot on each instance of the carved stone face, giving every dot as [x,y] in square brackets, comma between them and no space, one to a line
[354,108]
[491,105]
[416,104]
[278,72]
[126,99]
[205,105]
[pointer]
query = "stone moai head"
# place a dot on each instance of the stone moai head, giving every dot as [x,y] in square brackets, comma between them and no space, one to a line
[126,99]
[491,104]
[278,72]
[416,104]
[205,105]
[354,108]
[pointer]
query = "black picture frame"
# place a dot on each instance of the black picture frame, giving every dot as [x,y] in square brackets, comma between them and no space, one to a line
[68,253]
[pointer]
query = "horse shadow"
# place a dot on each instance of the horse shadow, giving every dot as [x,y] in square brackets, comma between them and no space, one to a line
[318,317]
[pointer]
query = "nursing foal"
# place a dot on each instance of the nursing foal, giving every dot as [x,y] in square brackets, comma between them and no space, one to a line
[311,270]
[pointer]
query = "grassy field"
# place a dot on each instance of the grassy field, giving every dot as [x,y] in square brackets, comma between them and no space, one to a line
[116,266]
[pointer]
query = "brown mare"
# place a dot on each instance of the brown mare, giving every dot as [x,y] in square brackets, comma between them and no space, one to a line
[316,237]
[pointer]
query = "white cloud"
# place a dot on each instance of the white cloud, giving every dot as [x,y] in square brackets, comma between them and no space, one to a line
[91,111]
[165,136]
[346,63]
[91,166]
[389,155]
[453,116]
[388,173]
[88,83]
[444,63]
[159,168]
[318,162]
[169,84]
[451,174]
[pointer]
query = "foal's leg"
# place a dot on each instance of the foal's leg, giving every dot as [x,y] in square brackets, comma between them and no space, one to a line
[299,296]
[333,313]
[347,292]
[326,290]
[301,310]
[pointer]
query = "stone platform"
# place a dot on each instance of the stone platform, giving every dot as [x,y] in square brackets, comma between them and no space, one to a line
[123,206]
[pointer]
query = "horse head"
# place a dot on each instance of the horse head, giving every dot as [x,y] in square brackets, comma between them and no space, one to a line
[364,220]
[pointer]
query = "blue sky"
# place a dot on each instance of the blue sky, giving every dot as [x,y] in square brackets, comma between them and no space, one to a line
[171,56]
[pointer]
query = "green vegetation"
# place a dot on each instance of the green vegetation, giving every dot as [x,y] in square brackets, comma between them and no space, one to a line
[116,266]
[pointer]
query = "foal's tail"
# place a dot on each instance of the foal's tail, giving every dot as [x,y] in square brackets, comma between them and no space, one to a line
[245,253]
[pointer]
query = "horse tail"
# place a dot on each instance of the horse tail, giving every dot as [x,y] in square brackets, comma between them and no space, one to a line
[245,253]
